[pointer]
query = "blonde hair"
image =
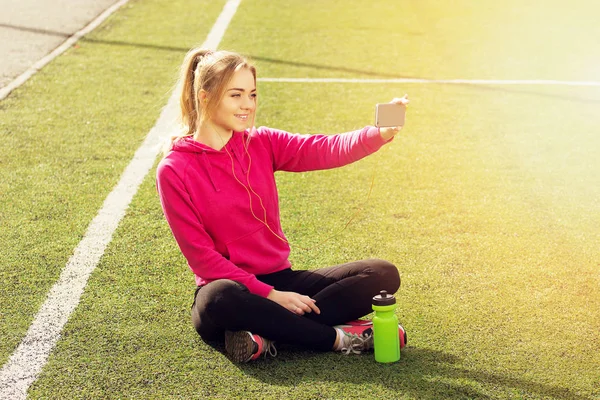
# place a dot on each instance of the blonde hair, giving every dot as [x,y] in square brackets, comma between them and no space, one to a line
[208,71]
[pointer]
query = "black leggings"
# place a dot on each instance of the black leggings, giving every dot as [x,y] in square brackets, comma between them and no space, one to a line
[342,293]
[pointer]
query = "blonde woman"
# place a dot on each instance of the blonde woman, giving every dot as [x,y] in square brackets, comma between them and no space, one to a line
[218,193]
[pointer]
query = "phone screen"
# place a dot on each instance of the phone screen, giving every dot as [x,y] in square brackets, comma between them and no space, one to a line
[389,114]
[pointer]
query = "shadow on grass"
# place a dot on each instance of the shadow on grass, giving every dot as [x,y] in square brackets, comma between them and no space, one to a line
[421,373]
[65,35]
[269,60]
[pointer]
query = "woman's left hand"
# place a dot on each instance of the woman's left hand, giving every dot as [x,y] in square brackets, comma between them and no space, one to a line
[294,302]
[389,132]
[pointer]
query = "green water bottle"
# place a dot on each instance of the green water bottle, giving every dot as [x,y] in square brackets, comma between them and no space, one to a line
[385,328]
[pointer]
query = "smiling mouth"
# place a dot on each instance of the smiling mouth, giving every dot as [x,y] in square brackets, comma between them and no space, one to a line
[243,117]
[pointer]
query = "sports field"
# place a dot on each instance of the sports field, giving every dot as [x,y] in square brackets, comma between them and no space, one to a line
[487,201]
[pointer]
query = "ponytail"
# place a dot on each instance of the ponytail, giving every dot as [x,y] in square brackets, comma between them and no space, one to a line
[190,112]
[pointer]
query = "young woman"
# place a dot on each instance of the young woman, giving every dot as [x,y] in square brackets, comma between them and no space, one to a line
[218,193]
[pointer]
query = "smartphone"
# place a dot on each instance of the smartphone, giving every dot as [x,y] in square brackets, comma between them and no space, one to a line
[389,114]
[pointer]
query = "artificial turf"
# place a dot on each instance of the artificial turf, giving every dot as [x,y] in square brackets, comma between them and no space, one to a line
[486,201]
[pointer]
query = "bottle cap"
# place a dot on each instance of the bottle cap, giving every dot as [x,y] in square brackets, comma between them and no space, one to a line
[384,299]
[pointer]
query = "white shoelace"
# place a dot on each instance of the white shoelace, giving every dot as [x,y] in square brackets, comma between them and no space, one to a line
[357,343]
[270,348]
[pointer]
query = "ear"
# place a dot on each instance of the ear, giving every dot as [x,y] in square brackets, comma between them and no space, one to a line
[203,97]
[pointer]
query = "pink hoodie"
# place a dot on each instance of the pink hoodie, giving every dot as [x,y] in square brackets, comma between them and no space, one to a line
[209,211]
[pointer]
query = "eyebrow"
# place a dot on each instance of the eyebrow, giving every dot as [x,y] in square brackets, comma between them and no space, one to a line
[241,90]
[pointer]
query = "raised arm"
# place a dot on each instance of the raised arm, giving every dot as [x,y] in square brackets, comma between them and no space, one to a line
[297,153]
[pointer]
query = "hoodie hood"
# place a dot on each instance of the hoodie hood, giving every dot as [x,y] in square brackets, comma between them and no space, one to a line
[188,144]
[209,158]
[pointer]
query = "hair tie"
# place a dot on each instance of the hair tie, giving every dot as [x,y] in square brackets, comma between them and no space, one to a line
[199,60]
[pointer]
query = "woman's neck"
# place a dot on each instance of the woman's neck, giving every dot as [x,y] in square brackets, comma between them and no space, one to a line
[210,135]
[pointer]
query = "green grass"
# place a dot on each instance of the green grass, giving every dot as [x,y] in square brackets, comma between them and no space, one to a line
[486,202]
[66,137]
[478,40]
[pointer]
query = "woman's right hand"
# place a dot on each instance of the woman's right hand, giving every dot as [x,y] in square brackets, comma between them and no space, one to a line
[295,302]
[389,132]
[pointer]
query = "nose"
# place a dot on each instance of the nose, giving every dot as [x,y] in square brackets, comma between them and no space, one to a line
[249,103]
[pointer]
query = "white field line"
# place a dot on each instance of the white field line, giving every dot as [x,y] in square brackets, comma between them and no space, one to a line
[21,79]
[447,81]
[25,364]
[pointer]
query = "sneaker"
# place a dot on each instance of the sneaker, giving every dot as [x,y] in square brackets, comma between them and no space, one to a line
[243,346]
[359,336]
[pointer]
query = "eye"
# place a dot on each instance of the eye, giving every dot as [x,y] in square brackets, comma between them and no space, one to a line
[235,95]
[254,95]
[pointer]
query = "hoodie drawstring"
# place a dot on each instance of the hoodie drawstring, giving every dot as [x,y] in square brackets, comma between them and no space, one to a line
[239,157]
[208,168]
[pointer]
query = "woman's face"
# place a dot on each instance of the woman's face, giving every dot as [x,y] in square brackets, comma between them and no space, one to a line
[236,110]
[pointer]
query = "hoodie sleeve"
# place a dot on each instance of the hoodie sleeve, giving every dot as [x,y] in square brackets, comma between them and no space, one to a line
[299,153]
[192,238]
